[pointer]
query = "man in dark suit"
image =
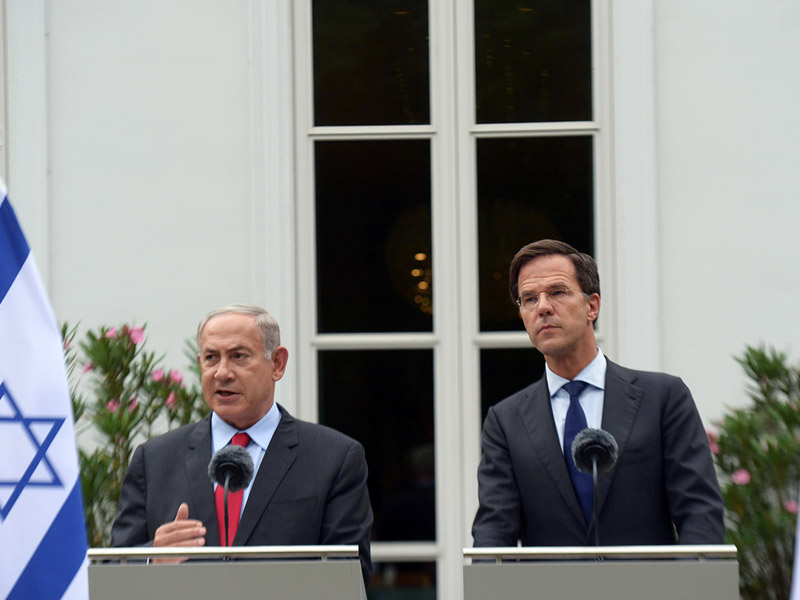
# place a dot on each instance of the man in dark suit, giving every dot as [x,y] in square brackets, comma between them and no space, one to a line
[310,483]
[663,488]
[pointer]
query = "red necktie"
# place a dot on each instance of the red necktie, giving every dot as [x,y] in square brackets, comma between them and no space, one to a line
[234,500]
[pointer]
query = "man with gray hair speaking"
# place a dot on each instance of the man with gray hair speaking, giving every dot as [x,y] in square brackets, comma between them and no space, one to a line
[310,483]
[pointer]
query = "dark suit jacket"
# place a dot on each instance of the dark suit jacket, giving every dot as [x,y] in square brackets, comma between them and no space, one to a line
[663,483]
[311,488]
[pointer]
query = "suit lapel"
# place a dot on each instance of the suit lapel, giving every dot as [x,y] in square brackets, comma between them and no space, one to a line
[280,455]
[198,455]
[621,403]
[537,417]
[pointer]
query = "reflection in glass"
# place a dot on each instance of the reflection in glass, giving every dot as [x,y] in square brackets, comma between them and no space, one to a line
[384,399]
[373,215]
[528,189]
[533,61]
[403,581]
[370,62]
[505,371]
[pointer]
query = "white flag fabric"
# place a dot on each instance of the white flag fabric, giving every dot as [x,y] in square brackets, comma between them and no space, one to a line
[42,530]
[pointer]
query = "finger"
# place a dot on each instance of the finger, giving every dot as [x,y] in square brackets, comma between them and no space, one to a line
[183,512]
[182,529]
[177,532]
[179,559]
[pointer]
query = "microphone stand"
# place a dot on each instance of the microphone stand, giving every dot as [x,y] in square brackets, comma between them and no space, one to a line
[227,533]
[595,515]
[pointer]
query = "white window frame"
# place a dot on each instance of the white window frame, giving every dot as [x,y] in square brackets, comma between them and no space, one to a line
[456,340]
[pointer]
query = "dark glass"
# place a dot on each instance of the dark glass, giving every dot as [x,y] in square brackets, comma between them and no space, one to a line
[384,399]
[505,371]
[533,61]
[528,189]
[373,215]
[370,62]
[403,581]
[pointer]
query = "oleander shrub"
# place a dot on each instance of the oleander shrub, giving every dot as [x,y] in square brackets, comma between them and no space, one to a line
[121,396]
[757,454]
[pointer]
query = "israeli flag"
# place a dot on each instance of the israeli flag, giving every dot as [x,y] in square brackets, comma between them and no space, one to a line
[42,530]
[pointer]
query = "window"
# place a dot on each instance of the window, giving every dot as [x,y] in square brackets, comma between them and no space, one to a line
[434,139]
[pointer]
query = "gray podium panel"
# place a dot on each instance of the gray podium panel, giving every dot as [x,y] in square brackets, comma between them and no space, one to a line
[622,573]
[241,580]
[261,572]
[620,581]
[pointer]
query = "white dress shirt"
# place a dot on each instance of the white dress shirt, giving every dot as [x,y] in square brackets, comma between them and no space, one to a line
[260,436]
[591,399]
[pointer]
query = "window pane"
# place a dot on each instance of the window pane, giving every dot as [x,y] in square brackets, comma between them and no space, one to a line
[373,212]
[403,581]
[505,371]
[384,399]
[533,60]
[528,189]
[370,62]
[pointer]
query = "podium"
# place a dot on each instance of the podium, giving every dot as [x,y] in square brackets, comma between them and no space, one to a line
[242,572]
[618,572]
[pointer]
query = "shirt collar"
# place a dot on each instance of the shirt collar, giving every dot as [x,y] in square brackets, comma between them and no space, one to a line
[594,374]
[260,433]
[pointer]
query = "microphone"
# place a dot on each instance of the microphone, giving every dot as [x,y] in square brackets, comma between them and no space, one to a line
[594,451]
[594,446]
[232,468]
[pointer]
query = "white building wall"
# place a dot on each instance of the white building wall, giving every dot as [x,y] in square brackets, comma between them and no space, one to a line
[727,96]
[150,161]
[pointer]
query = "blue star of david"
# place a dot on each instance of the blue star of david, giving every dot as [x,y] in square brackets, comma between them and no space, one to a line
[40,457]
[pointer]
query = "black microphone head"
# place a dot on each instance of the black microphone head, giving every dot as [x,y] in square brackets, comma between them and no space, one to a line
[594,444]
[233,461]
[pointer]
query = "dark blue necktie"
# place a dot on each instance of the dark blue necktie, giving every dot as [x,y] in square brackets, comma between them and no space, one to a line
[576,422]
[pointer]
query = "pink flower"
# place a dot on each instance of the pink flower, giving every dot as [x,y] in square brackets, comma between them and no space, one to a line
[112,405]
[137,334]
[790,506]
[175,376]
[158,374]
[88,367]
[740,477]
[134,403]
[171,400]
[66,345]
[111,333]
[712,441]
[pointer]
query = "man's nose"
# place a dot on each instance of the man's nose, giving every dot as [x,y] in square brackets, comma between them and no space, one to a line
[223,371]
[544,306]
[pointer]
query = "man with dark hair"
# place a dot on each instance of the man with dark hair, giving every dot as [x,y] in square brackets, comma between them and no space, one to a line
[663,488]
[310,483]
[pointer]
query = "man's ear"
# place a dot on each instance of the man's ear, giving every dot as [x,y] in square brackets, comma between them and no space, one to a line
[280,357]
[594,307]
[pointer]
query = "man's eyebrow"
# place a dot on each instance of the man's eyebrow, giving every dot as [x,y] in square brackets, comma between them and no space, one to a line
[213,350]
[556,284]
